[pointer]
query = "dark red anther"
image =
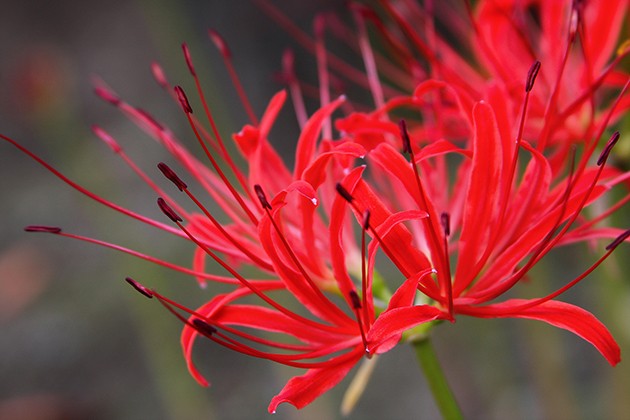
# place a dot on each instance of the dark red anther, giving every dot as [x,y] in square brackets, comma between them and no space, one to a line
[614,244]
[188,59]
[344,193]
[140,288]
[262,197]
[366,220]
[167,210]
[172,176]
[43,229]
[445,220]
[203,327]
[356,301]
[220,43]
[531,76]
[609,146]
[404,135]
[183,100]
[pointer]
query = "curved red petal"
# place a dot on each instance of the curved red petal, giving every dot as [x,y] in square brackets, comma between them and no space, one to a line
[302,390]
[392,323]
[559,314]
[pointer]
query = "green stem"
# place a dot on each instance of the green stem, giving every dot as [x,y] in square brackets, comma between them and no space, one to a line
[442,393]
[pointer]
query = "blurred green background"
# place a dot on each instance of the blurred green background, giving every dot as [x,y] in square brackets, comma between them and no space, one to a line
[76,342]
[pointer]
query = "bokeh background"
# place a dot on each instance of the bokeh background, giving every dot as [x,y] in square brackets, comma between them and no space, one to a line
[76,342]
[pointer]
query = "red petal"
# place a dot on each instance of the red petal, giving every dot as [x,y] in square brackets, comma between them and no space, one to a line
[302,390]
[189,334]
[390,325]
[559,314]
[482,204]
[308,138]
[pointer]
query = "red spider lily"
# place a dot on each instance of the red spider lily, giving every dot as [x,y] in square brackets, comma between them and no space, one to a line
[577,43]
[321,305]
[302,240]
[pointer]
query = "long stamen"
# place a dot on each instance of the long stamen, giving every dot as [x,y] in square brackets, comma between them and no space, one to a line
[134,253]
[368,60]
[223,48]
[319,25]
[441,260]
[118,150]
[188,111]
[343,192]
[290,78]
[181,185]
[553,99]
[509,182]
[89,193]
[309,281]
[445,219]
[609,249]
[364,269]
[202,325]
[178,221]
[550,240]
[210,118]
[356,306]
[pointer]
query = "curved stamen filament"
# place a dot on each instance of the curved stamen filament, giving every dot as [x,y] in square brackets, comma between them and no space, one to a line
[436,248]
[226,53]
[330,307]
[170,174]
[212,332]
[215,130]
[424,288]
[356,306]
[178,221]
[188,111]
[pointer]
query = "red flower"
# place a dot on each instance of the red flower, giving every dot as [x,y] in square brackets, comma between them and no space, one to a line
[320,303]
[492,45]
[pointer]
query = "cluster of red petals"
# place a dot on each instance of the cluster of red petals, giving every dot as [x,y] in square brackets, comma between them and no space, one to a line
[479,183]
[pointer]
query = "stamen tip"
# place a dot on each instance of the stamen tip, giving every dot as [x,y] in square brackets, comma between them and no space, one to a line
[42,229]
[404,135]
[159,75]
[140,288]
[108,139]
[183,100]
[203,327]
[344,193]
[366,220]
[531,76]
[608,148]
[354,298]
[107,95]
[172,176]
[445,220]
[262,197]
[168,211]
[618,240]
[220,43]
[188,59]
